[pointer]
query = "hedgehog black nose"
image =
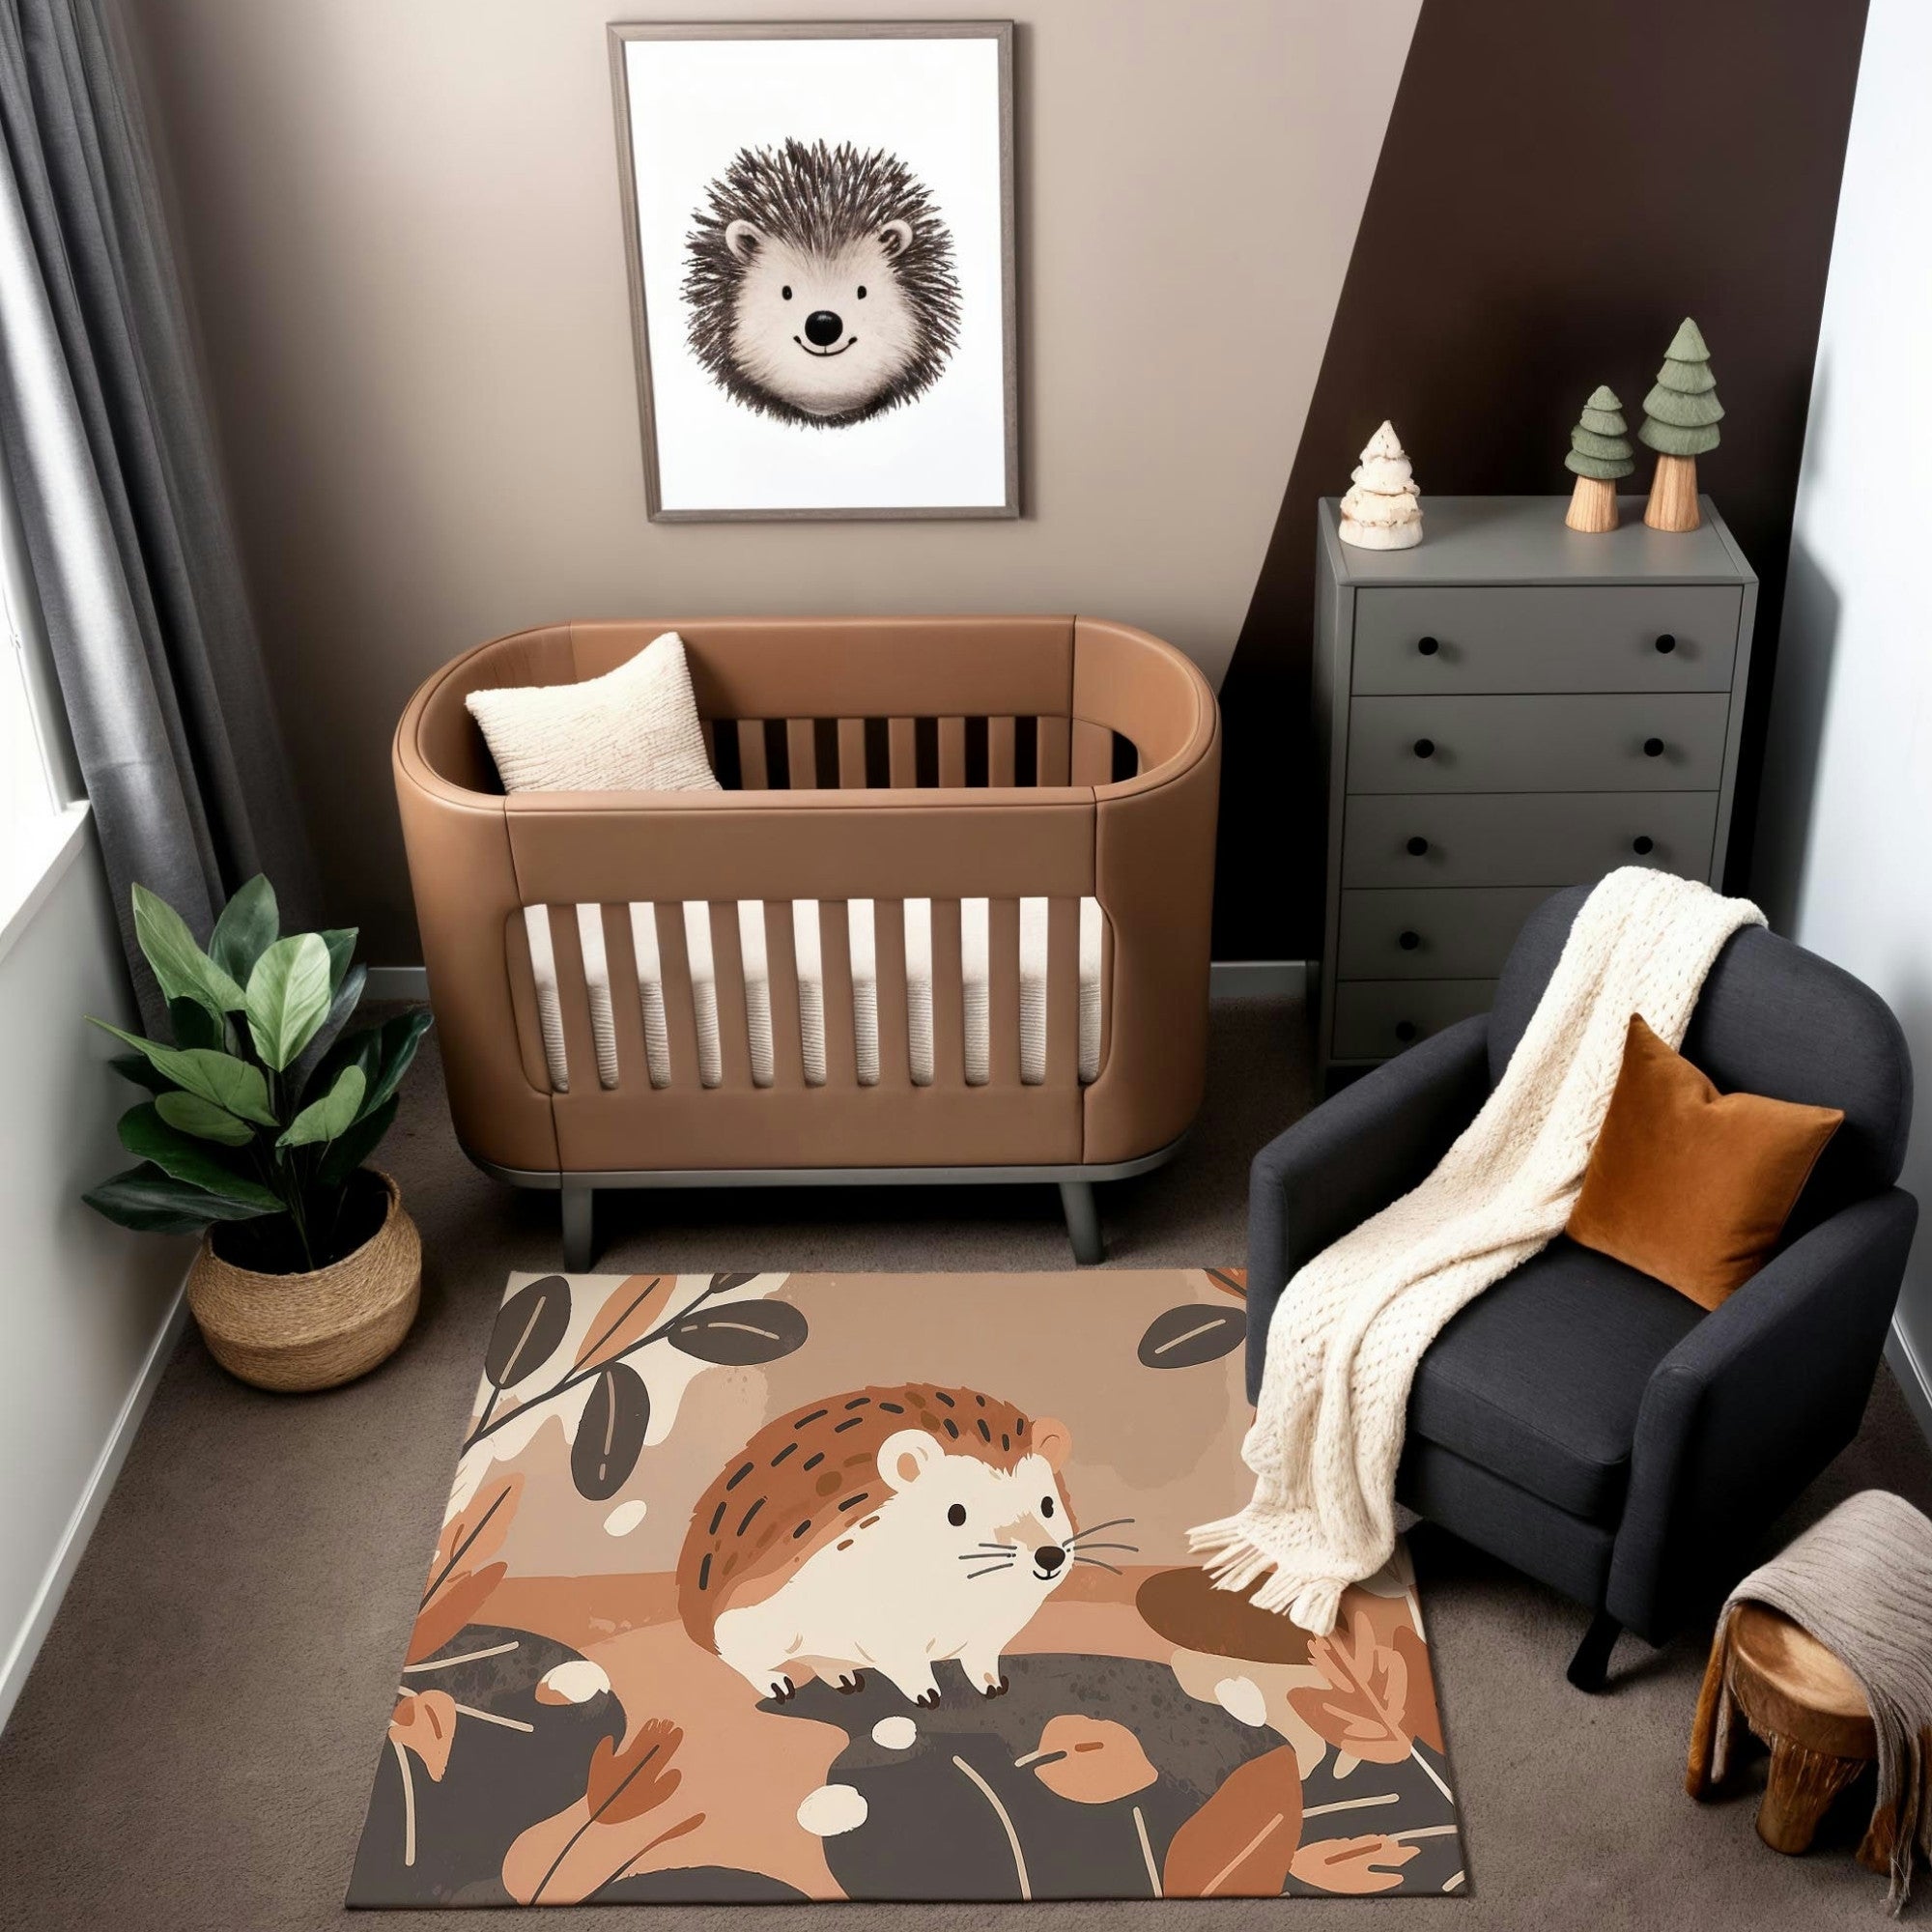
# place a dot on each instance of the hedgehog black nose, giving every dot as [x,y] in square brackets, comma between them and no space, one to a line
[823,327]
[1049,1557]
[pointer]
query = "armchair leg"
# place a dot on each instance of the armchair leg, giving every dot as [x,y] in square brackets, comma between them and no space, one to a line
[1083,1221]
[579,1213]
[1589,1669]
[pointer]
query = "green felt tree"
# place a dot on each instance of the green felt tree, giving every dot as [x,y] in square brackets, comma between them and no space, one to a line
[1600,452]
[1679,422]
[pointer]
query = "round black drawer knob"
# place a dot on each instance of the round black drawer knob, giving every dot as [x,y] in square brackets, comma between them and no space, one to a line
[1417,846]
[1424,748]
[1643,846]
[1408,941]
[1653,747]
[1428,646]
[1665,645]
[1405,1031]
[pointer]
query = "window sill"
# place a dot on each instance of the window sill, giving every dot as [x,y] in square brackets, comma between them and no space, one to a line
[36,860]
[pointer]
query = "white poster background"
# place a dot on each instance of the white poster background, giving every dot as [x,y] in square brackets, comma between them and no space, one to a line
[935,103]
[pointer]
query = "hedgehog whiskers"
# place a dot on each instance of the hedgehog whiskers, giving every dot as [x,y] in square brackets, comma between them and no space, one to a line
[988,1571]
[1083,1547]
[1097,1563]
[1080,1536]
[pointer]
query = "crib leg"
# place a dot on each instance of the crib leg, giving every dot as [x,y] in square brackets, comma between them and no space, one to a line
[579,1210]
[1083,1221]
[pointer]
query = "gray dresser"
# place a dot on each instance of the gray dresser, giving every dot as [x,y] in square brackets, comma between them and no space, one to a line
[1508,708]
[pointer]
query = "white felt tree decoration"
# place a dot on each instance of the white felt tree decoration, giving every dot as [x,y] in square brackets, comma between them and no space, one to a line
[1382,511]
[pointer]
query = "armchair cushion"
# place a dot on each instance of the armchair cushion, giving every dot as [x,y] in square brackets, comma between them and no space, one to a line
[1541,1380]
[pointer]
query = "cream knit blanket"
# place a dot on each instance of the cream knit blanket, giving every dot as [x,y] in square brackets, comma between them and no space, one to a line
[1351,1327]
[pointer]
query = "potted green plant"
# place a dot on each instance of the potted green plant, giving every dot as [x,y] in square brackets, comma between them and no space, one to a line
[263,1109]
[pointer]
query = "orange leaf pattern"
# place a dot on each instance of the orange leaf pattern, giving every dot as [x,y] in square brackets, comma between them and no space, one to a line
[424,1721]
[1093,1760]
[1241,1842]
[1360,1708]
[630,1312]
[629,1783]
[1373,1864]
[1420,1715]
[453,1606]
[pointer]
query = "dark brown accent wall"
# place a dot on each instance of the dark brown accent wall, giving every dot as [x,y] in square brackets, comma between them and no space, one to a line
[1560,184]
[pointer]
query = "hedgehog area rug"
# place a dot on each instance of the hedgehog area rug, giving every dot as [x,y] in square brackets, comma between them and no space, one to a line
[782,1587]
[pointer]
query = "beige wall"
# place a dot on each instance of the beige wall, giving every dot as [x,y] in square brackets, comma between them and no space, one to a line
[399,225]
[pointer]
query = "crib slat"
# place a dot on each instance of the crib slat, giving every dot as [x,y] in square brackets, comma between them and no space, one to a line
[627,1023]
[802,752]
[1000,757]
[889,952]
[852,754]
[949,1051]
[596,954]
[681,1022]
[1003,992]
[903,735]
[1092,753]
[1054,757]
[835,940]
[952,752]
[728,967]
[1063,993]
[573,999]
[752,754]
[781,961]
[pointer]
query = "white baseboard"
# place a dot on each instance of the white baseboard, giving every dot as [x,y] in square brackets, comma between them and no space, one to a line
[1905,1365]
[396,982]
[94,1496]
[1258,979]
[1229,979]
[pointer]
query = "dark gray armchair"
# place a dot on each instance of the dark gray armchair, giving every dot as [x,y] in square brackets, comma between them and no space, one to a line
[1582,1421]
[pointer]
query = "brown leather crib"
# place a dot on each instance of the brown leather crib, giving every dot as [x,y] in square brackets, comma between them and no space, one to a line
[962,791]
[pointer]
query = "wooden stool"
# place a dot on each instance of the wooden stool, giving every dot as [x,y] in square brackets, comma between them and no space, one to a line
[1801,1702]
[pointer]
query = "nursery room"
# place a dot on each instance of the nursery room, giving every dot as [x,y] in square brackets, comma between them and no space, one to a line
[964,965]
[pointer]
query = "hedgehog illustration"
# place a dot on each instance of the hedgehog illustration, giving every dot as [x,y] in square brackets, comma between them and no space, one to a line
[822,283]
[887,1528]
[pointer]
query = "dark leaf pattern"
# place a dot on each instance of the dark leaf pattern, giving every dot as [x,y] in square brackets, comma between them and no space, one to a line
[741,1334]
[529,1328]
[1194,1333]
[611,1433]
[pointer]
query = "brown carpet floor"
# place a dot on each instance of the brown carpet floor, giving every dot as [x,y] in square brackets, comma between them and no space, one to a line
[195,1746]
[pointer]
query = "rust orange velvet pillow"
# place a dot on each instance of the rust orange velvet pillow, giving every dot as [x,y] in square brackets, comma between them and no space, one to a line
[1689,1185]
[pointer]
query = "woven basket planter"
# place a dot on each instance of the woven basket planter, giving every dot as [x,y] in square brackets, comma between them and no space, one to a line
[311,1331]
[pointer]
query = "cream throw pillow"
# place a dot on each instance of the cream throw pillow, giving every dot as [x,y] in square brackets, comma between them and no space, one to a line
[634,728]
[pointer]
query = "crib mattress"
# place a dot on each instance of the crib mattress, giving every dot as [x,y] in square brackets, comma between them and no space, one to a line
[808,943]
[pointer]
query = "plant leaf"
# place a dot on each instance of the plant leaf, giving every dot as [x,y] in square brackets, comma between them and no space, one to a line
[1242,1841]
[147,1136]
[147,1199]
[322,1119]
[348,996]
[1194,1333]
[193,1025]
[355,1145]
[340,942]
[399,1039]
[249,924]
[183,971]
[740,1334]
[529,1326]
[288,997]
[203,1118]
[219,1077]
[611,1433]
[629,1314]
[135,1068]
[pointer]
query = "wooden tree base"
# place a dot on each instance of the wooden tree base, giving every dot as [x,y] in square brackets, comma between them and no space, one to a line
[1593,506]
[1673,494]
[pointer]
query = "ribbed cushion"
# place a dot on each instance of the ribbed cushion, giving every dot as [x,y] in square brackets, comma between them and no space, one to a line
[1541,1377]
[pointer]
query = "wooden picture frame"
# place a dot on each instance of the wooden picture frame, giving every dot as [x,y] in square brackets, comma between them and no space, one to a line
[923,419]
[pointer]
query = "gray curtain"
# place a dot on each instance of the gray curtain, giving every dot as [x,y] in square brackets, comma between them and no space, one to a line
[106,441]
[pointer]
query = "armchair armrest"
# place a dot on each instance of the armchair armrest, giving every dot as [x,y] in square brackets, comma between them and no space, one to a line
[1352,1156]
[1751,1406]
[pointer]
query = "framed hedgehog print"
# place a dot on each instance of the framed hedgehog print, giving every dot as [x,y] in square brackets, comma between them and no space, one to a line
[819,221]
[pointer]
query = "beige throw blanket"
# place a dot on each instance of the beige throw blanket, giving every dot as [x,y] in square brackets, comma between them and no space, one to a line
[1861,1582]
[1352,1325]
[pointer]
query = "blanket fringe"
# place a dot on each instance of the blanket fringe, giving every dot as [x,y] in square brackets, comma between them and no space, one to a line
[1236,1557]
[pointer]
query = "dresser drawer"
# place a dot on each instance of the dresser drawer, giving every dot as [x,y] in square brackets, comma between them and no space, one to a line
[1491,838]
[1430,934]
[1550,638]
[1538,744]
[1374,1019]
